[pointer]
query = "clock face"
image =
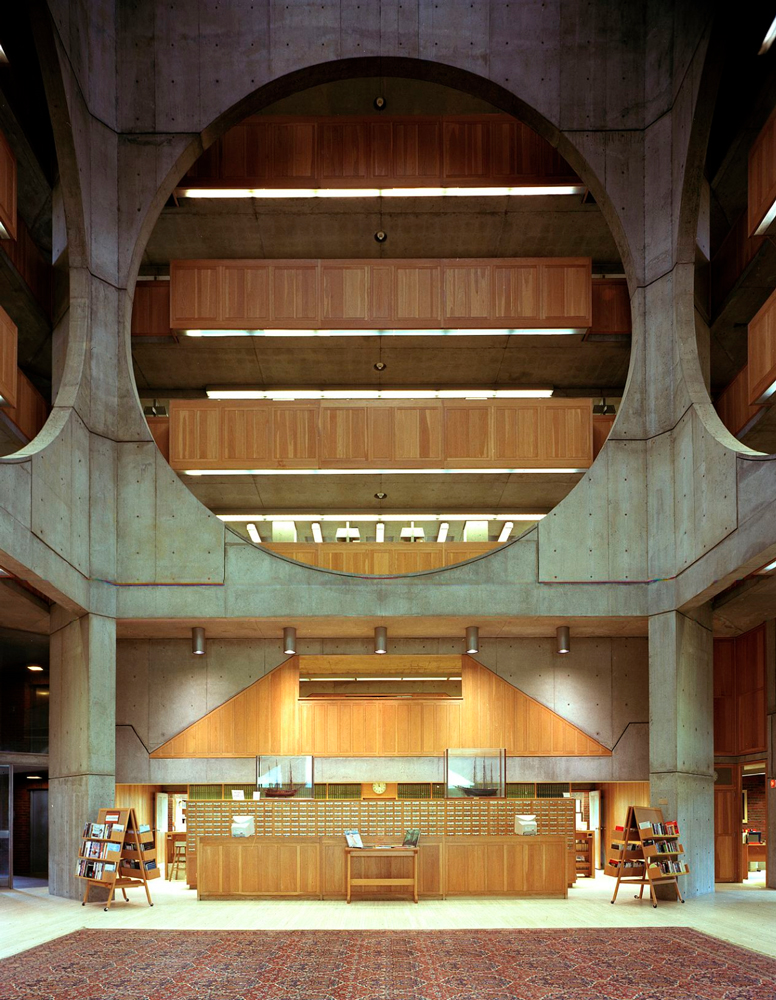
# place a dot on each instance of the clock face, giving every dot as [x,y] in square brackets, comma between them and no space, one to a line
[378,787]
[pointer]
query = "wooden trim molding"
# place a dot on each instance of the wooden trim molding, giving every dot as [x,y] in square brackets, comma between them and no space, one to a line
[762,351]
[762,175]
[268,717]
[425,294]
[7,188]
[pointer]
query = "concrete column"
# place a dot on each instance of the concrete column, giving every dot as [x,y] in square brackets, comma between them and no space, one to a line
[681,738]
[770,737]
[82,742]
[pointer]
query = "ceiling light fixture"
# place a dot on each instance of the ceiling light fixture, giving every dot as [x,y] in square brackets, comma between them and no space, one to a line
[380,532]
[562,639]
[239,518]
[315,527]
[765,569]
[380,472]
[770,35]
[289,640]
[472,639]
[766,395]
[198,641]
[3,56]
[444,528]
[34,777]
[770,215]
[381,639]
[289,395]
[457,332]
[525,191]
[506,531]
[381,236]
[347,534]
[379,103]
[35,668]
[409,534]
[253,533]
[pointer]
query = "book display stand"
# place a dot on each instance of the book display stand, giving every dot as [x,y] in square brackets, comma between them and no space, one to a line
[585,861]
[646,851]
[116,853]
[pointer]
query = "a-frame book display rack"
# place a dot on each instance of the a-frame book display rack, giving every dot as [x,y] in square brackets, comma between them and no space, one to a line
[116,854]
[646,851]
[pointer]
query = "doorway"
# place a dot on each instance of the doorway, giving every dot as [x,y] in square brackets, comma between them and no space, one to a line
[754,823]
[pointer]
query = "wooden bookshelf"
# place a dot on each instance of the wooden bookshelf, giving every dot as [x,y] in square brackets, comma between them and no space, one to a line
[115,854]
[583,848]
[646,852]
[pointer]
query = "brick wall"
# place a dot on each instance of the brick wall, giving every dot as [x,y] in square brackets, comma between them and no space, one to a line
[755,794]
[21,823]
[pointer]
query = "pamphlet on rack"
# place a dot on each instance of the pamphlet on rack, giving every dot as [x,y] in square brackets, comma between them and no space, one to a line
[353,838]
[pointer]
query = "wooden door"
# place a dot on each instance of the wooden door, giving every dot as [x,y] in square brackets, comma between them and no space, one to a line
[727,826]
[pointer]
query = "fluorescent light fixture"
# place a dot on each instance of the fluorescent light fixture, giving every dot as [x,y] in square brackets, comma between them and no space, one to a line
[444,527]
[770,215]
[490,332]
[253,533]
[319,680]
[765,396]
[285,395]
[770,35]
[3,56]
[4,234]
[506,531]
[380,532]
[765,569]
[526,191]
[376,472]
[347,533]
[240,518]
[412,533]
[34,777]
[315,527]
[34,668]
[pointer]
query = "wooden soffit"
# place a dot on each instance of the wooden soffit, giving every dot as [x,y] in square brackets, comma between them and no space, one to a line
[268,718]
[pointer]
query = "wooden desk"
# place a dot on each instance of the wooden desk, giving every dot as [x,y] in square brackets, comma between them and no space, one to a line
[753,852]
[382,852]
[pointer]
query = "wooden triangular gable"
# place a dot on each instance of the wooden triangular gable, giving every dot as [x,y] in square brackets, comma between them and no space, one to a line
[268,717]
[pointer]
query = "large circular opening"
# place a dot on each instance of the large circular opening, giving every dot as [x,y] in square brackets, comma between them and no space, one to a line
[381,326]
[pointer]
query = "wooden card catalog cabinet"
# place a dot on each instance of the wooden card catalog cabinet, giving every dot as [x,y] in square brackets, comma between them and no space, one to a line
[8,346]
[7,190]
[381,434]
[762,353]
[427,294]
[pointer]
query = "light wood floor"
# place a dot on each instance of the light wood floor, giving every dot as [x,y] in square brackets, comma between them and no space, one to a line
[744,915]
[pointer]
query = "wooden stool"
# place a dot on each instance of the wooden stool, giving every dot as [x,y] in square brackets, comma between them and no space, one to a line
[178,859]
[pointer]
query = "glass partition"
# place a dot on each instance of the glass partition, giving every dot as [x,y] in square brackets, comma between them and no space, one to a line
[475,773]
[285,777]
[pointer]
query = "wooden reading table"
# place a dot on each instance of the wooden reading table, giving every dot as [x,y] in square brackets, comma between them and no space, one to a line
[383,852]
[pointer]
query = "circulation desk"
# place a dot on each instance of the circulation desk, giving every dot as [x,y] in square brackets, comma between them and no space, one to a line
[314,867]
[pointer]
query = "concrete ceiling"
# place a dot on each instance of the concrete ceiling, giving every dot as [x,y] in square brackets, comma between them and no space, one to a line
[568,363]
[443,493]
[22,610]
[746,605]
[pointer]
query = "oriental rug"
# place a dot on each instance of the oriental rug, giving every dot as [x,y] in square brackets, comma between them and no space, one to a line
[575,964]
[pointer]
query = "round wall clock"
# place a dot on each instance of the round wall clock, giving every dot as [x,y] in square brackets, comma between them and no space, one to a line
[378,787]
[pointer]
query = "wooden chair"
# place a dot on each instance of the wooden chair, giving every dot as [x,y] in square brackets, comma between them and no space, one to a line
[178,859]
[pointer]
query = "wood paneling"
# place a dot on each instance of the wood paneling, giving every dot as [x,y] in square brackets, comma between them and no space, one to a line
[365,294]
[160,428]
[151,309]
[31,409]
[602,428]
[739,693]
[8,369]
[141,799]
[268,717]
[31,264]
[611,310]
[380,151]
[7,187]
[261,866]
[732,257]
[383,558]
[725,735]
[617,796]
[727,833]
[381,434]
[762,174]
[733,405]
[761,365]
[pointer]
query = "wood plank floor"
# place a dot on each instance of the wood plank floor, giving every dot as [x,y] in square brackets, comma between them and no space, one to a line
[744,915]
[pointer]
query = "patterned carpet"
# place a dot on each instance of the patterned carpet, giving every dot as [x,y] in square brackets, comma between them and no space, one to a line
[626,964]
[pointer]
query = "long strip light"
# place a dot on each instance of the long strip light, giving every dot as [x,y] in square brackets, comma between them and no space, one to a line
[377,472]
[525,191]
[285,395]
[770,215]
[444,528]
[239,518]
[315,527]
[253,533]
[559,331]
[770,35]
[380,532]
[384,677]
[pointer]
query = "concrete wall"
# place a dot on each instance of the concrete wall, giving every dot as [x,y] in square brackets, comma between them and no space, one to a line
[601,686]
